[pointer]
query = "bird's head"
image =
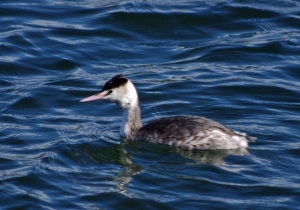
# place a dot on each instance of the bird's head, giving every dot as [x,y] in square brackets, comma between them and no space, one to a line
[119,90]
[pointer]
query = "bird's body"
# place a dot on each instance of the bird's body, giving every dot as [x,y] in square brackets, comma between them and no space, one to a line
[188,132]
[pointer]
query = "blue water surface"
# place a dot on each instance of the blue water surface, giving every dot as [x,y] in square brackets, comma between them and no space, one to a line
[236,62]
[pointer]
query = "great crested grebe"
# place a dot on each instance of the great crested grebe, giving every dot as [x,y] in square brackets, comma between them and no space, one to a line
[188,132]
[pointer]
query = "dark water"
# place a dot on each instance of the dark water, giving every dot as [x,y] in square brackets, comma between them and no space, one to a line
[237,62]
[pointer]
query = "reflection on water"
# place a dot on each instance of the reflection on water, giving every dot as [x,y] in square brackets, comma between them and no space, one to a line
[119,155]
[115,155]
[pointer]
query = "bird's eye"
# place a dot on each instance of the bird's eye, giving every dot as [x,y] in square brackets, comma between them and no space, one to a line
[109,92]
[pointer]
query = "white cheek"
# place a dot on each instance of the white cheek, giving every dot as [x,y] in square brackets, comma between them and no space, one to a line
[108,97]
[115,97]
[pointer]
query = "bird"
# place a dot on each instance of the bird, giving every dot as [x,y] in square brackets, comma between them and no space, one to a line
[185,132]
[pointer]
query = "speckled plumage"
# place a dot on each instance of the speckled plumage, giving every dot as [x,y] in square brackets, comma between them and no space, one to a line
[188,132]
[192,132]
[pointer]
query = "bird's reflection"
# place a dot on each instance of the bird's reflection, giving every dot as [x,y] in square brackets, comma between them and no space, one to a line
[121,154]
[116,154]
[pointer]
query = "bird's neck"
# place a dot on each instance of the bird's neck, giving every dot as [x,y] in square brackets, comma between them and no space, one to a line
[131,122]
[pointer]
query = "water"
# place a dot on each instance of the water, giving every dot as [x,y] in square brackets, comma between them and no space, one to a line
[236,62]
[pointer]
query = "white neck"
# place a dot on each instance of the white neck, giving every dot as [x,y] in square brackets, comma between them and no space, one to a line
[131,122]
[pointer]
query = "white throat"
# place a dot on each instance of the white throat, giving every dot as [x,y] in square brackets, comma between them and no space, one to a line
[131,121]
